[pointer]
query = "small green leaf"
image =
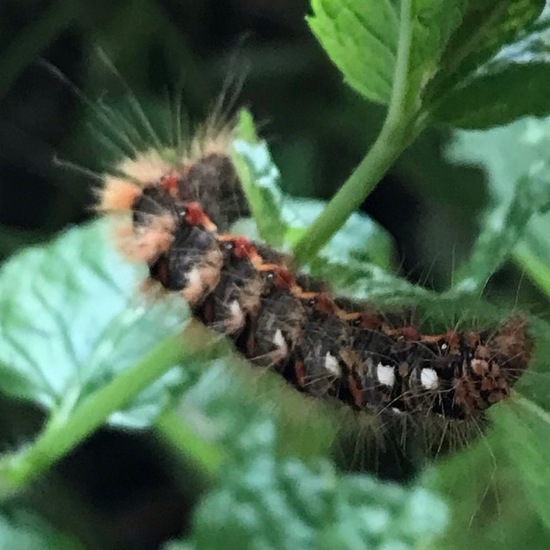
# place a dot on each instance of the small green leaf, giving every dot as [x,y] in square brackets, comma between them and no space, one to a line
[509,86]
[22,531]
[259,178]
[72,318]
[511,155]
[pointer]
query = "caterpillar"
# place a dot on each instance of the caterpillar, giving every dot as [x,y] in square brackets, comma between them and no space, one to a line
[177,219]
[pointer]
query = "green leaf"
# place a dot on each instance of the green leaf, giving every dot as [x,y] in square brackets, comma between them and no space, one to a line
[22,531]
[288,504]
[509,86]
[433,24]
[72,317]
[490,510]
[362,36]
[529,450]
[267,501]
[486,27]
[514,155]
[501,231]
[259,177]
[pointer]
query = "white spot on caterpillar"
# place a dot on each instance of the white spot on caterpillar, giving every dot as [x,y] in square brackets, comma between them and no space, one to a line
[279,341]
[235,320]
[332,365]
[385,374]
[194,278]
[194,288]
[429,379]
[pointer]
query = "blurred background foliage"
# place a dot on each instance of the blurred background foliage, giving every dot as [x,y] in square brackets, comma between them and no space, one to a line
[57,86]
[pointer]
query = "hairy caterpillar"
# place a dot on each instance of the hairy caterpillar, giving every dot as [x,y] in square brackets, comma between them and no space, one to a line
[177,218]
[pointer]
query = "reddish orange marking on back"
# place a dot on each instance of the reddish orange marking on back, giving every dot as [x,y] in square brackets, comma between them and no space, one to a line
[355,391]
[411,334]
[243,248]
[324,303]
[300,371]
[170,183]
[284,278]
[453,339]
[195,215]
[370,321]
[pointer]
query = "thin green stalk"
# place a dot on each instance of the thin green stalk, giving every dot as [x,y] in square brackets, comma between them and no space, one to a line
[394,136]
[59,437]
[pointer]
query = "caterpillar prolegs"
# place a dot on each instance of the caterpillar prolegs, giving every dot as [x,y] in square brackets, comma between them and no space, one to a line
[326,346]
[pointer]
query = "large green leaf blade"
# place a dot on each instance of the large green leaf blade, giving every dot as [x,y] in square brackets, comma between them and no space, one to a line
[511,85]
[266,501]
[288,504]
[72,317]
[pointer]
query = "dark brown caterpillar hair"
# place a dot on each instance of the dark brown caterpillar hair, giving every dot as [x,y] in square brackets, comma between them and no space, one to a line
[178,215]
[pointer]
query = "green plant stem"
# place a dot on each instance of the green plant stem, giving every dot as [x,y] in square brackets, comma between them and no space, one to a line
[60,437]
[395,135]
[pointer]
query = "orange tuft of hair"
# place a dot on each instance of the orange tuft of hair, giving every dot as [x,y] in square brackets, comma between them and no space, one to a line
[120,192]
